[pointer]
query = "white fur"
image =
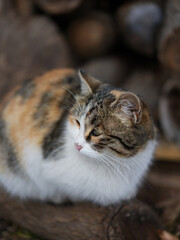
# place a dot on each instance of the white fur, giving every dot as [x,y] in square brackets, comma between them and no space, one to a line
[78,175]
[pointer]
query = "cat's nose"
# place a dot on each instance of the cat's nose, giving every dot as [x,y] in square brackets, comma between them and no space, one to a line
[78,147]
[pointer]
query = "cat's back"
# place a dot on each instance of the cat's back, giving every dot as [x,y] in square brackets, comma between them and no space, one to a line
[32,113]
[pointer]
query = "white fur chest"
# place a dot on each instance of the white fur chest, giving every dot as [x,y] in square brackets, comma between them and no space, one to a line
[78,177]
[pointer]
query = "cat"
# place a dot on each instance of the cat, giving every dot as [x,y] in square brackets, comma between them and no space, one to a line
[67,136]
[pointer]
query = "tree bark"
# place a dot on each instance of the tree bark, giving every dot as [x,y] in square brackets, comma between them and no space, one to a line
[169,47]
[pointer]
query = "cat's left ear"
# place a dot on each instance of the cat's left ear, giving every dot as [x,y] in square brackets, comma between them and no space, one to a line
[88,83]
[128,106]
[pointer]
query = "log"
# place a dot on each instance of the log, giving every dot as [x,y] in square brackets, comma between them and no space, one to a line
[111,70]
[138,23]
[82,221]
[162,191]
[164,235]
[169,109]
[5,6]
[167,151]
[169,47]
[23,8]
[170,210]
[58,6]
[145,82]
[91,35]
[162,183]
[29,48]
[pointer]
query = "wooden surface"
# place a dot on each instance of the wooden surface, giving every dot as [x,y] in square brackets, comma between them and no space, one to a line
[167,151]
[29,48]
[82,221]
[169,47]
[58,6]
[91,34]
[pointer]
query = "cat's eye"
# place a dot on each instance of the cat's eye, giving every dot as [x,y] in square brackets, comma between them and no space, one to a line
[78,123]
[95,133]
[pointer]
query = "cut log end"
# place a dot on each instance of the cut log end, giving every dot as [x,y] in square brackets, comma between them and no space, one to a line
[169,47]
[170,51]
[111,70]
[169,110]
[134,221]
[138,23]
[58,6]
[91,35]
[28,49]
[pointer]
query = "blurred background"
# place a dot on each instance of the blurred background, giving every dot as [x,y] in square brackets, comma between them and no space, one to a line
[131,44]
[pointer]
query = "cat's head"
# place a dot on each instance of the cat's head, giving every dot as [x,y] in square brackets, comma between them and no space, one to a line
[106,120]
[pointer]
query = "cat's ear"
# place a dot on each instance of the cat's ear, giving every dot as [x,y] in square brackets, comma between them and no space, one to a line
[88,83]
[128,105]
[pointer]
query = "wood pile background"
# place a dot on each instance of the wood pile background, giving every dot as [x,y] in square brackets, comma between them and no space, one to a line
[131,44]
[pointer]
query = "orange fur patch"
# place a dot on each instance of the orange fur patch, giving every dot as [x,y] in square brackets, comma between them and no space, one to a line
[117,94]
[19,115]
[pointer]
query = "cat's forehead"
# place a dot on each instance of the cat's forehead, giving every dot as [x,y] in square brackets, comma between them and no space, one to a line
[95,99]
[104,92]
[98,107]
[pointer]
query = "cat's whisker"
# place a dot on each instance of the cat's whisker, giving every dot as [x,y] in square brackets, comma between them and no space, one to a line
[121,174]
[70,93]
[118,171]
[135,162]
[69,102]
[73,96]
[119,162]
[55,152]
[109,166]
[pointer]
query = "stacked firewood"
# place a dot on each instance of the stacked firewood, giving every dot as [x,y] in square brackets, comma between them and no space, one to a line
[134,45]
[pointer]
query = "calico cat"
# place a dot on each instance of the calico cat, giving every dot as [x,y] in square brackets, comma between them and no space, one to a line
[69,136]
